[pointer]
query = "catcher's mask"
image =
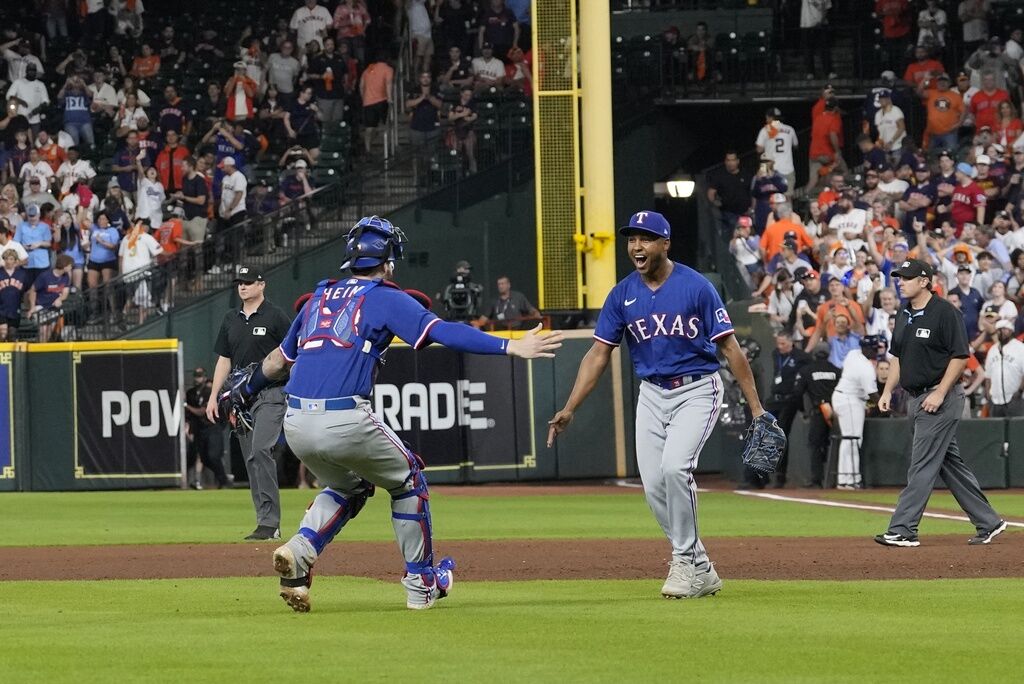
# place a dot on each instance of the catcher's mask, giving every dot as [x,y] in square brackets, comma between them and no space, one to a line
[373,241]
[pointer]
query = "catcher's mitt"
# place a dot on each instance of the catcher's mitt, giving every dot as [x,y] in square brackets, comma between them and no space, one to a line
[235,399]
[765,444]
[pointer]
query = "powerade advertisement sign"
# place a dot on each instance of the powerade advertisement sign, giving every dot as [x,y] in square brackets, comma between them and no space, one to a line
[457,410]
[128,414]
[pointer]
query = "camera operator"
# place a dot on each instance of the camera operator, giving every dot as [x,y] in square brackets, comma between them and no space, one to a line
[461,297]
[509,309]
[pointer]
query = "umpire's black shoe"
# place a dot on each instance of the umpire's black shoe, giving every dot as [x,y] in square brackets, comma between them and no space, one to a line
[896,540]
[987,537]
[263,532]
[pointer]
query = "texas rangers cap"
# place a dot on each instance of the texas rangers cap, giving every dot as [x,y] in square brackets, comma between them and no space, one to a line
[914,268]
[650,222]
[248,274]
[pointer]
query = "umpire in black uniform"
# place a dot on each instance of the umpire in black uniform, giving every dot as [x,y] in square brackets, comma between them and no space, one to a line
[247,335]
[929,346]
[817,380]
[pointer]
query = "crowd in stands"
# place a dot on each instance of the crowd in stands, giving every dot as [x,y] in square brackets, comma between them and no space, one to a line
[131,140]
[946,187]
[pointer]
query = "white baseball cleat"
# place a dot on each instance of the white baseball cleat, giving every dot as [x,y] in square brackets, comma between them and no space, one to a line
[679,583]
[423,591]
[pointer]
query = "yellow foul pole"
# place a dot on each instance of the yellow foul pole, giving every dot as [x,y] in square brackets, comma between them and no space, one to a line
[599,228]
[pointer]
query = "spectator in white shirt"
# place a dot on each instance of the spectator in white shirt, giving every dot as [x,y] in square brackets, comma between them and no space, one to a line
[420,31]
[877,318]
[233,187]
[32,96]
[282,71]
[1004,373]
[36,168]
[137,252]
[931,24]
[776,141]
[973,16]
[997,298]
[18,61]
[310,22]
[128,85]
[151,195]
[488,70]
[74,169]
[1014,48]
[104,97]
[891,125]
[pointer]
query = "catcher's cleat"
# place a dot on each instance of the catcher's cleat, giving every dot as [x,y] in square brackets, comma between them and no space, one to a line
[294,590]
[423,590]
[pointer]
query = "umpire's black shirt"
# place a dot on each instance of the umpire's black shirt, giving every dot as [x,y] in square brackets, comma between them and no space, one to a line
[247,340]
[925,340]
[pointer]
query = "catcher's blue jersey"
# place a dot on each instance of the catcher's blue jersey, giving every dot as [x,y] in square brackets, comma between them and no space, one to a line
[670,331]
[338,338]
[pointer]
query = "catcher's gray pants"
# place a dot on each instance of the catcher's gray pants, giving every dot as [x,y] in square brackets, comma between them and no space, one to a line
[346,450]
[934,454]
[671,429]
[258,447]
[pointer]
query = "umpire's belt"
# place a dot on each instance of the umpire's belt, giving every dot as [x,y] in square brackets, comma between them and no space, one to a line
[915,393]
[321,405]
[672,383]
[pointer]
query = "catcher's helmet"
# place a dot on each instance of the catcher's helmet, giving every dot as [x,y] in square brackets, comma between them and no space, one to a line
[371,242]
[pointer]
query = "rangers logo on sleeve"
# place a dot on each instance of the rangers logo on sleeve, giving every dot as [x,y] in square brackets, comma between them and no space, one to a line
[722,316]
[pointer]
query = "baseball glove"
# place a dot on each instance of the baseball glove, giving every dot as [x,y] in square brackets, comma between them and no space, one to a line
[235,399]
[765,444]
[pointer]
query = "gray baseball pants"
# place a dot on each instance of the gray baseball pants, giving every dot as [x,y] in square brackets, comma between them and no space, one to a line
[935,454]
[258,447]
[672,427]
[348,450]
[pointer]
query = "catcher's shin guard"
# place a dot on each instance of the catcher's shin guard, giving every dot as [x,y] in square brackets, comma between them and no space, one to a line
[410,516]
[328,513]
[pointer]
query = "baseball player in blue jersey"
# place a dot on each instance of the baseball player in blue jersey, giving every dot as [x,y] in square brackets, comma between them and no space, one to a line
[674,323]
[334,348]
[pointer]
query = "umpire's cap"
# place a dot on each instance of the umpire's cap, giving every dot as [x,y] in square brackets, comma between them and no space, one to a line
[248,274]
[914,268]
[649,222]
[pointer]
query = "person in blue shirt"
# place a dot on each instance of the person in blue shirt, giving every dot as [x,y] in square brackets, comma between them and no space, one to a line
[12,289]
[334,348]
[675,325]
[842,342]
[52,288]
[77,102]
[125,162]
[36,238]
[971,300]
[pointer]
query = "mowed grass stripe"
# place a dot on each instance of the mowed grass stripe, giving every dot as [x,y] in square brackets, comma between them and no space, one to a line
[593,631]
[1009,505]
[158,517]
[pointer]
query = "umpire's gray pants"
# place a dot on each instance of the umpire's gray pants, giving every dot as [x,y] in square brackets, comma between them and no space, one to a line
[935,453]
[258,447]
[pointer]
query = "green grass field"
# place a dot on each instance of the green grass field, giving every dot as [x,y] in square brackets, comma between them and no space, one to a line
[1008,505]
[237,629]
[226,516]
[609,631]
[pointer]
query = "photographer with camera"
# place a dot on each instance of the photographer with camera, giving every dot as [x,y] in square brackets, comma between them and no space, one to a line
[461,297]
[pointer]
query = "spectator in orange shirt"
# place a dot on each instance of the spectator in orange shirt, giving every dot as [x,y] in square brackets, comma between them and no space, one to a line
[147,64]
[826,144]
[838,304]
[924,67]
[945,111]
[49,151]
[375,90]
[171,236]
[170,163]
[1008,125]
[776,233]
[985,103]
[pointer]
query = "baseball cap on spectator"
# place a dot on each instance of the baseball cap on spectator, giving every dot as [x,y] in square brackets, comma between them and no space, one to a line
[985,128]
[965,168]
[779,198]
[963,267]
[791,244]
[914,268]
[983,159]
[113,183]
[921,166]
[773,112]
[487,46]
[991,311]
[227,161]
[901,245]
[947,154]
[32,210]
[883,166]
[963,76]
[888,76]
[301,164]
[248,274]
[1004,324]
[995,40]
[790,235]
[1002,214]
[34,180]
[745,221]
[885,92]
[239,64]
[804,273]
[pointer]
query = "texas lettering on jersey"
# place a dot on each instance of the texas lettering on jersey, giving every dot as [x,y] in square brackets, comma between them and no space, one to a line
[654,325]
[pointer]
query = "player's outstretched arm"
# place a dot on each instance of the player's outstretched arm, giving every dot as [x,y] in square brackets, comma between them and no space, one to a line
[591,368]
[533,345]
[740,368]
[464,338]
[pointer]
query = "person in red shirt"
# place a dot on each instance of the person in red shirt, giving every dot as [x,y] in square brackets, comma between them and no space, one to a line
[968,205]
[985,103]
[171,236]
[896,25]
[826,143]
[1008,125]
[923,69]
